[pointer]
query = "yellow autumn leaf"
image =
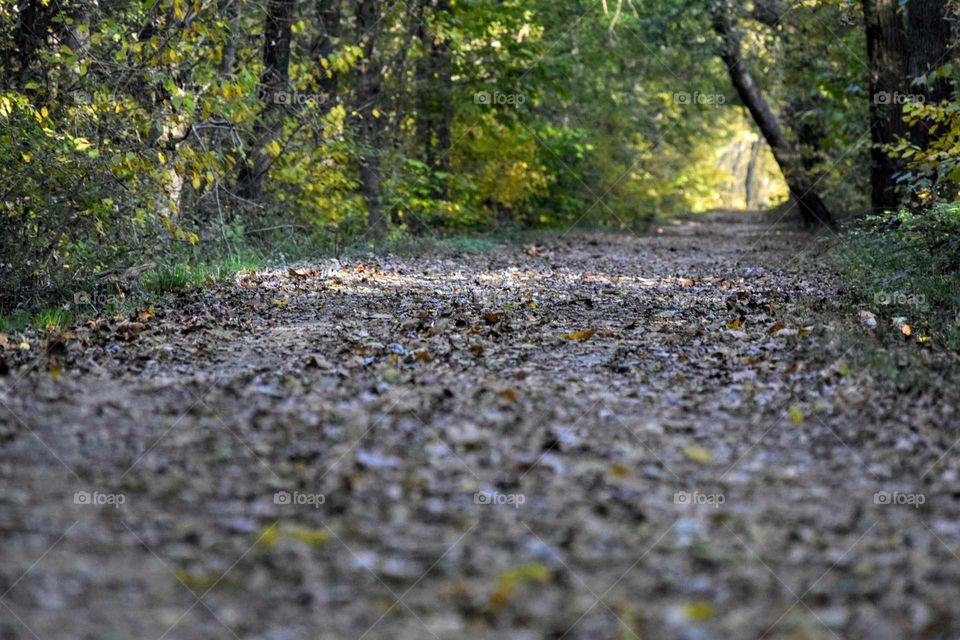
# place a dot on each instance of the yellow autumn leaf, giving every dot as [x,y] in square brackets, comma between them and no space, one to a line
[579,336]
[698,611]
[736,324]
[273,148]
[698,455]
[796,415]
[196,181]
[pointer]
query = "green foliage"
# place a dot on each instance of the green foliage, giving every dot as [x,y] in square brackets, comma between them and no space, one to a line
[124,127]
[908,264]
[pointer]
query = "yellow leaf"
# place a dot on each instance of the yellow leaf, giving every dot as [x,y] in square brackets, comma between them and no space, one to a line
[280,303]
[796,415]
[26,157]
[81,144]
[25,346]
[273,148]
[376,113]
[196,181]
[580,336]
[55,370]
[698,611]
[698,455]
[736,324]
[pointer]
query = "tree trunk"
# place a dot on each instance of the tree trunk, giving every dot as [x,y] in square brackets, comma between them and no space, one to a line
[229,57]
[751,185]
[328,30]
[434,91]
[887,52]
[35,19]
[800,182]
[928,32]
[369,86]
[273,91]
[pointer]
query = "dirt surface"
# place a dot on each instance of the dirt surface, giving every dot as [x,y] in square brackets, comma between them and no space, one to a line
[593,437]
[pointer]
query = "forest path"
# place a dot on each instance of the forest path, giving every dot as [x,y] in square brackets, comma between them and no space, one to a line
[595,437]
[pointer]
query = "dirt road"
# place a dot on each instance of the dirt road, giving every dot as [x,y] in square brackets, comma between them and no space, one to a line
[589,438]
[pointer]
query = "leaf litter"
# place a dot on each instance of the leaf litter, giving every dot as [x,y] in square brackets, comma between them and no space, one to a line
[667,422]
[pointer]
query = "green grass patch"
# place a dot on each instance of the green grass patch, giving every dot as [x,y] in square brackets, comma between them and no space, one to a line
[907,265]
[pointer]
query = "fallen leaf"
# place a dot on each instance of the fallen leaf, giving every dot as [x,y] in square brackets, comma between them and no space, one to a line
[736,324]
[580,336]
[491,318]
[698,455]
[796,415]
[698,611]
[777,326]
[619,471]
[318,362]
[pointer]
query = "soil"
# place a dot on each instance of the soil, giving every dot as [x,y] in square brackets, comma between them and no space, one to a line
[597,436]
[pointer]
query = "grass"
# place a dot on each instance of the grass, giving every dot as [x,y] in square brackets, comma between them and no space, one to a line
[184,272]
[906,266]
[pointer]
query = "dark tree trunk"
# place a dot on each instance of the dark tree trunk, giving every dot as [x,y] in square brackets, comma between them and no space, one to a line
[434,95]
[887,52]
[800,182]
[328,31]
[31,33]
[273,91]
[369,87]
[434,92]
[928,32]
